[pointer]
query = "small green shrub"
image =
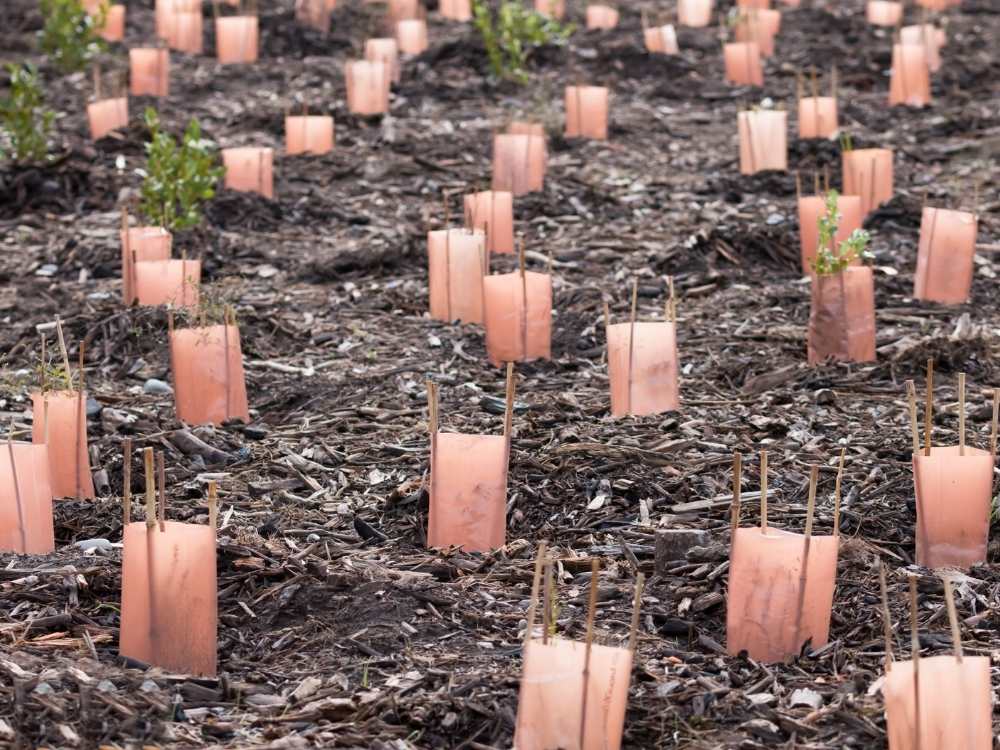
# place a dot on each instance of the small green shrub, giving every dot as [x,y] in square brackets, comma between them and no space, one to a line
[831,260]
[511,33]
[177,178]
[24,117]
[70,36]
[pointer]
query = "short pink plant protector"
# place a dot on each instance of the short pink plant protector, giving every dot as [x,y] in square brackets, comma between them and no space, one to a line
[760,26]
[457,261]
[411,35]
[842,317]
[468,502]
[884,12]
[587,112]
[493,212]
[59,421]
[455,10]
[114,24]
[818,117]
[925,35]
[518,163]
[642,368]
[868,174]
[25,500]
[763,140]
[910,82]
[169,606]
[955,710]
[601,17]
[953,506]
[551,8]
[661,40]
[743,63]
[384,50]
[141,244]
[106,116]
[694,13]
[167,282]
[313,13]
[945,256]
[308,134]
[514,332]
[811,208]
[236,39]
[209,385]
[769,615]
[367,86]
[185,31]
[550,704]
[149,71]
[249,169]
[401,10]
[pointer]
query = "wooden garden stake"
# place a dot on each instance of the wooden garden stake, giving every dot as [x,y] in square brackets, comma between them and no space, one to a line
[763,492]
[607,318]
[65,353]
[961,413]
[535,585]
[161,476]
[147,457]
[633,633]
[956,633]
[17,487]
[886,619]
[734,522]
[915,655]
[80,429]
[836,493]
[591,613]
[929,407]
[911,395]
[671,301]
[126,483]
[806,544]
[631,340]
[546,601]
[213,506]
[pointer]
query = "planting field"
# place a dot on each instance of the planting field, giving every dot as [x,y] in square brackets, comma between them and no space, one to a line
[338,627]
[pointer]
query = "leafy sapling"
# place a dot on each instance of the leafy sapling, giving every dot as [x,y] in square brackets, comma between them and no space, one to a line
[25,120]
[71,35]
[831,259]
[511,33]
[177,178]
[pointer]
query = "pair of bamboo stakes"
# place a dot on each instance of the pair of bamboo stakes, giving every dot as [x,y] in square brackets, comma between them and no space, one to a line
[547,598]
[155,473]
[929,413]
[800,86]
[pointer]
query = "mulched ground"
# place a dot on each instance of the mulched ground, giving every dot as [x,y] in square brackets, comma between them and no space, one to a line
[337,627]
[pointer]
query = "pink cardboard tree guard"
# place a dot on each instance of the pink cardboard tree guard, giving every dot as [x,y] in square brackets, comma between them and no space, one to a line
[367,86]
[411,35]
[59,421]
[236,39]
[106,116]
[493,212]
[455,10]
[587,112]
[694,13]
[551,8]
[518,163]
[884,12]
[945,256]
[811,209]
[457,263]
[763,137]
[167,282]
[910,82]
[384,50]
[149,71]
[601,17]
[25,499]
[518,316]
[760,26]
[186,31]
[842,317]
[114,24]
[743,63]
[140,244]
[250,169]
[308,134]
[868,173]
[660,40]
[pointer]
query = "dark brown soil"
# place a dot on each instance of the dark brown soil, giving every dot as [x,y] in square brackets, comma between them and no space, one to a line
[325,583]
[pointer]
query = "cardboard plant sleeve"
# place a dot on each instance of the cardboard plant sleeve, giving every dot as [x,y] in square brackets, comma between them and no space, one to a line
[167,282]
[551,8]
[518,316]
[884,12]
[455,10]
[842,317]
[249,169]
[868,173]
[945,256]
[59,421]
[759,26]
[601,17]
[763,137]
[209,382]
[107,115]
[411,35]
[25,499]
[186,31]
[661,40]
[492,211]
[813,207]
[457,262]
[114,24]
[518,163]
[309,134]
[587,112]
[236,39]
[910,81]
[384,50]
[926,36]
[694,13]
[314,14]
[367,84]
[743,63]
[149,71]
[402,10]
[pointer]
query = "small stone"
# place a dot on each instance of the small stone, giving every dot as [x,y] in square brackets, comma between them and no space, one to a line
[312,538]
[95,544]
[255,432]
[761,699]
[106,686]
[93,407]
[824,397]
[805,697]
[49,269]
[157,387]
[775,218]
[148,686]
[43,688]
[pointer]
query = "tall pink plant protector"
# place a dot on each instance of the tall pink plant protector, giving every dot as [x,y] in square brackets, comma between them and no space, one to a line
[842,317]
[141,244]
[518,163]
[551,8]
[551,704]
[518,316]
[492,211]
[953,707]
[25,499]
[910,82]
[249,169]
[925,35]
[59,421]
[411,36]
[209,383]
[661,40]
[601,17]
[945,256]
[186,31]
[868,173]
[694,13]
[811,209]
[760,26]
[457,263]
[237,39]
[367,84]
[743,63]
[884,12]
[385,50]
[455,10]
[763,137]
[642,367]
[113,29]
[149,71]
[587,112]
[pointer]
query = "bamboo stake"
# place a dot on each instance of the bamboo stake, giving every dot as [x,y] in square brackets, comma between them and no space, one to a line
[147,456]
[17,489]
[161,474]
[929,407]
[911,395]
[591,613]
[44,367]
[672,301]
[993,429]
[806,545]
[836,493]
[798,185]
[607,319]
[886,619]
[631,342]
[633,634]
[126,483]
[546,601]
[65,353]
[763,492]
[535,585]
[81,424]
[961,413]
[956,633]
[213,506]
[508,415]
[734,511]
[915,655]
